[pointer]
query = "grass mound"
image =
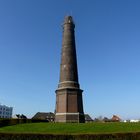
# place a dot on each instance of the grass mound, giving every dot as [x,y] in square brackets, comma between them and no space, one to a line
[72,128]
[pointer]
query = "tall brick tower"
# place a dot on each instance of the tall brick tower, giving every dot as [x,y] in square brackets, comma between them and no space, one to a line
[69,104]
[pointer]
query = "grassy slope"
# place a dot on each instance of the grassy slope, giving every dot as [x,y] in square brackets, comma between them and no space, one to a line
[59,128]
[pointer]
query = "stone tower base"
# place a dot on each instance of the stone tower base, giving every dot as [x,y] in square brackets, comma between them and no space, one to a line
[69,105]
[70,117]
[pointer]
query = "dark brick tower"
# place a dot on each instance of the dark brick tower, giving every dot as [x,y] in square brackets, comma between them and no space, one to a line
[69,104]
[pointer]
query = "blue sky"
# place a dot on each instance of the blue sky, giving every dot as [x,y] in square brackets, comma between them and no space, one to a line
[108,52]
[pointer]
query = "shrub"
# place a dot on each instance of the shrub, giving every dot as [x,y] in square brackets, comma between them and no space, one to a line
[7,122]
[117,136]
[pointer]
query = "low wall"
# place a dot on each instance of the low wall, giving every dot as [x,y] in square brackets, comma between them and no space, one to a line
[116,136]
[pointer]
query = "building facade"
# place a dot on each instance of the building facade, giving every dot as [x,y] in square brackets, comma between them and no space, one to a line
[5,111]
[69,103]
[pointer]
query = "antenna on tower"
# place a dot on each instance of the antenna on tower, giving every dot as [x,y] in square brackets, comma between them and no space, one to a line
[71,12]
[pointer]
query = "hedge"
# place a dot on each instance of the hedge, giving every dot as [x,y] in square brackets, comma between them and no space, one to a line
[115,136]
[7,122]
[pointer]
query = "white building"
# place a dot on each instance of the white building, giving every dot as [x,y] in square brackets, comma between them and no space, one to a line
[5,111]
[131,121]
[134,120]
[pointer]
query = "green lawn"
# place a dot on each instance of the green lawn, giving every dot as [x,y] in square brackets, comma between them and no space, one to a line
[72,128]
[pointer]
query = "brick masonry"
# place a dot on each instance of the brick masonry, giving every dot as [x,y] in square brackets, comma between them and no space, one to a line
[69,104]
